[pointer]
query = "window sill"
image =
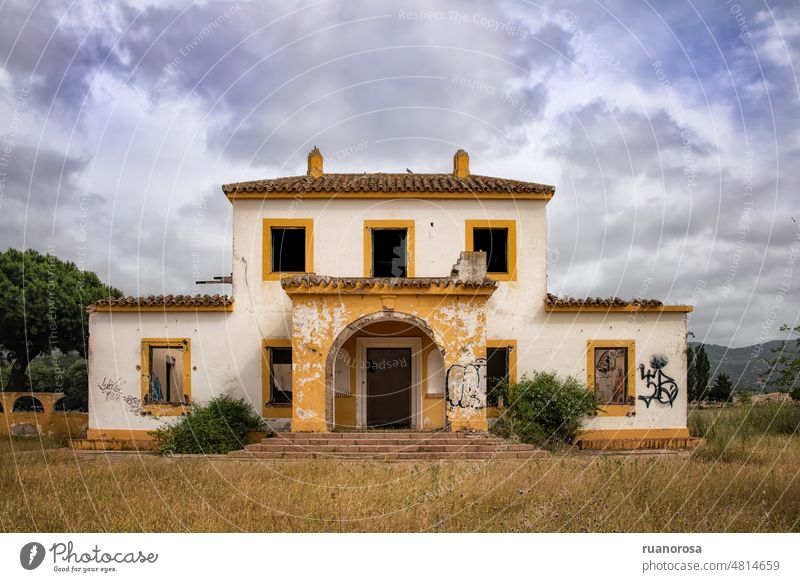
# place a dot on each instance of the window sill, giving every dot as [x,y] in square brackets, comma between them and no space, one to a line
[278,405]
[617,410]
[166,409]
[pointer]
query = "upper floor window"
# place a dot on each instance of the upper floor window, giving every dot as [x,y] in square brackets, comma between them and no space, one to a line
[288,247]
[498,239]
[388,248]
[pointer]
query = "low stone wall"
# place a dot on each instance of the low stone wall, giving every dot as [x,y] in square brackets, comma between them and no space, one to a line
[47,422]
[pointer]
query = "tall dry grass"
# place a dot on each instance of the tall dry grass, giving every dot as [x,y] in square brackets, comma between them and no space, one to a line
[53,490]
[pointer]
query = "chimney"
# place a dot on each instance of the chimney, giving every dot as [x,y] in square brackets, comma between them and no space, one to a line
[315,163]
[461,165]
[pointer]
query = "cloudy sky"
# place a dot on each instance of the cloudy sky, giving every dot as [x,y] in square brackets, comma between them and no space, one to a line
[671,132]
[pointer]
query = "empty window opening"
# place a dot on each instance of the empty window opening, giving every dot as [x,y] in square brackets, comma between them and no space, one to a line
[288,250]
[166,376]
[280,375]
[497,375]
[389,252]
[28,404]
[611,375]
[494,241]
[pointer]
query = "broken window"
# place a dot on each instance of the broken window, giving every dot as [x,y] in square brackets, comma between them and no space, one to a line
[166,375]
[497,375]
[288,250]
[280,375]
[611,375]
[389,252]
[494,241]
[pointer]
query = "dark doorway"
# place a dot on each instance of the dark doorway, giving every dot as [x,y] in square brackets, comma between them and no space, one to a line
[389,387]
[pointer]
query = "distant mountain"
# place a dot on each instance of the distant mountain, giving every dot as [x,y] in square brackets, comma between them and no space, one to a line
[744,365]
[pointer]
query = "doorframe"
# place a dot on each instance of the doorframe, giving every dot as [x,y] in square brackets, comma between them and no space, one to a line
[415,344]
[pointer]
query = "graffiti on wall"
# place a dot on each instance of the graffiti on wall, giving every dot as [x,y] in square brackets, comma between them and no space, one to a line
[665,389]
[113,391]
[466,384]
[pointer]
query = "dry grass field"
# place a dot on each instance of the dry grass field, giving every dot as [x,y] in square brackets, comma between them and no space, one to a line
[745,479]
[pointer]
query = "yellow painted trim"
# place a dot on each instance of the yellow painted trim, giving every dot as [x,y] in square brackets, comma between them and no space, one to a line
[227,308]
[512,355]
[266,395]
[387,289]
[370,225]
[388,195]
[182,343]
[119,434]
[611,434]
[613,409]
[267,274]
[622,308]
[511,225]
[166,409]
[512,363]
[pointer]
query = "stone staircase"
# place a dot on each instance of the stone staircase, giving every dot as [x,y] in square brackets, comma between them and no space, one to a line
[387,445]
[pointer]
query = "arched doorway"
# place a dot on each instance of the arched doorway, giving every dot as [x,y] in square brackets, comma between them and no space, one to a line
[386,370]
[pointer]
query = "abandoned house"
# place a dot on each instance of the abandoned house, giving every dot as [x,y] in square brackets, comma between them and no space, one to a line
[382,300]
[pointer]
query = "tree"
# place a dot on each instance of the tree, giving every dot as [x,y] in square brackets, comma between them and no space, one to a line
[702,373]
[783,370]
[43,304]
[691,374]
[722,390]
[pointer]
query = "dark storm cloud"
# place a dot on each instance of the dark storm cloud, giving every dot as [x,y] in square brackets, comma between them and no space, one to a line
[675,149]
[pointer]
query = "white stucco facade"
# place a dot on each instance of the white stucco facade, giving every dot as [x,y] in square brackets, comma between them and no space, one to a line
[226,345]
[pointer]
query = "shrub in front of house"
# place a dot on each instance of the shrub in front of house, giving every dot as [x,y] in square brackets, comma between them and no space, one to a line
[545,409]
[219,426]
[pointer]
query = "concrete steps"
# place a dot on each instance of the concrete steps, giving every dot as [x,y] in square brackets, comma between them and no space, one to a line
[387,445]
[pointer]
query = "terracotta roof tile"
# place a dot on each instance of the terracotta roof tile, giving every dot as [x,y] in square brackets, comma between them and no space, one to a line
[398,282]
[553,301]
[165,301]
[380,182]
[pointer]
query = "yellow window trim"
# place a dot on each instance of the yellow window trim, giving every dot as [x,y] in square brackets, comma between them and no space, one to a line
[511,225]
[185,345]
[512,358]
[266,261]
[370,225]
[266,395]
[613,409]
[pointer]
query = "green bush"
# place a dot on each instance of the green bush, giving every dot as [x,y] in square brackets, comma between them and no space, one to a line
[545,410]
[219,426]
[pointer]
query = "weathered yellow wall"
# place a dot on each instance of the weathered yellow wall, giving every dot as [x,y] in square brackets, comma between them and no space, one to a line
[458,323]
[432,408]
[47,423]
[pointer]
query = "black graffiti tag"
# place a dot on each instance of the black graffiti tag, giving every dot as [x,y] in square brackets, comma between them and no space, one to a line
[665,389]
[464,384]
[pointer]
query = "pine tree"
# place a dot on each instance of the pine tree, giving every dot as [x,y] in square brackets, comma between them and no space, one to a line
[702,370]
[722,390]
[691,374]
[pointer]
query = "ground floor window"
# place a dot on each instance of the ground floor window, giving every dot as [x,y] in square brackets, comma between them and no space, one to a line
[279,368]
[500,370]
[610,371]
[166,371]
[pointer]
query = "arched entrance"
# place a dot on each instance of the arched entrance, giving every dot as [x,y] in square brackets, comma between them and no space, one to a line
[385,370]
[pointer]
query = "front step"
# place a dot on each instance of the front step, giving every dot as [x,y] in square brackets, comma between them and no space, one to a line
[387,445]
